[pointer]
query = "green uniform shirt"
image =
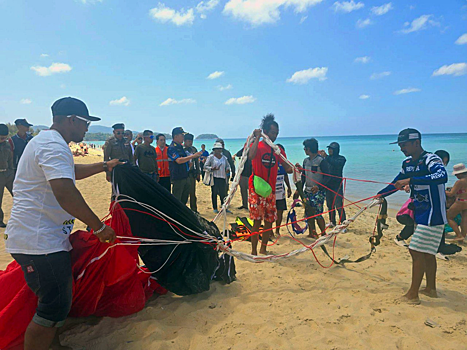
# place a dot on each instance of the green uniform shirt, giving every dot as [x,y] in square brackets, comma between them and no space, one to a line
[6,156]
[147,158]
[117,149]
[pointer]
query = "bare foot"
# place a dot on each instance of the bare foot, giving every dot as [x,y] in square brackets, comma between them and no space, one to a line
[405,299]
[263,251]
[457,239]
[254,252]
[429,292]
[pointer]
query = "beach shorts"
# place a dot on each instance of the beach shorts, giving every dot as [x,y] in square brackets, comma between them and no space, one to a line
[316,201]
[49,276]
[281,204]
[426,239]
[262,208]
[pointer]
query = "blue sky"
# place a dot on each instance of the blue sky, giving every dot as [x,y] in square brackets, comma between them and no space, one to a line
[322,67]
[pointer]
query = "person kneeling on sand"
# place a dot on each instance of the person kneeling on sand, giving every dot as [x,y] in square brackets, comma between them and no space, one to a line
[426,176]
[262,184]
[45,205]
[459,190]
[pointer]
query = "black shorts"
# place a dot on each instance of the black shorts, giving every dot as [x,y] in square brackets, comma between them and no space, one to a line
[49,276]
[281,204]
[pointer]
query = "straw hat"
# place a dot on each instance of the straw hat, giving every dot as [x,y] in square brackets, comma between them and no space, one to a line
[217,145]
[459,169]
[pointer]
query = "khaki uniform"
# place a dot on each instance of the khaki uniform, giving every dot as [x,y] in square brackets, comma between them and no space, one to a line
[7,173]
[115,149]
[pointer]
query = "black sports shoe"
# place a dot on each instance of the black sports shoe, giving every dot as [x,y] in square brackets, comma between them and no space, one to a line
[2,224]
[242,207]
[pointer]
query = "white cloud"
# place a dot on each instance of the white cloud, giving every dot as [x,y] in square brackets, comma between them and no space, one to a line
[90,1]
[44,55]
[303,19]
[406,91]
[362,23]
[172,101]
[52,69]
[303,76]
[347,6]
[215,75]
[375,76]
[364,59]
[25,101]
[165,14]
[462,39]
[206,6]
[223,88]
[240,100]
[124,101]
[364,97]
[420,23]
[381,10]
[456,69]
[257,12]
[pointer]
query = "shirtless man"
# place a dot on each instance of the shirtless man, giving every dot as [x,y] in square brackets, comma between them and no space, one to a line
[459,190]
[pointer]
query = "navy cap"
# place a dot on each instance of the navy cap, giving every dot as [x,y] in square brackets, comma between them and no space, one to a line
[118,126]
[3,130]
[147,133]
[408,135]
[189,136]
[72,106]
[177,131]
[23,122]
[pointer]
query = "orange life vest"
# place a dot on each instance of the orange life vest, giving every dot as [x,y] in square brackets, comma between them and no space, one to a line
[162,162]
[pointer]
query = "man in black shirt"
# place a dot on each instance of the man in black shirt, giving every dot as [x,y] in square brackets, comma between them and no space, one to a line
[244,178]
[333,164]
[20,140]
[194,170]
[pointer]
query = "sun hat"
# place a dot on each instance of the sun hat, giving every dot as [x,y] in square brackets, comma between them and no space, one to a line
[217,145]
[459,169]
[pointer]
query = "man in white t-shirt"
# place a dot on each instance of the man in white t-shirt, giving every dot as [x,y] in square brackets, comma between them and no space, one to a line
[45,206]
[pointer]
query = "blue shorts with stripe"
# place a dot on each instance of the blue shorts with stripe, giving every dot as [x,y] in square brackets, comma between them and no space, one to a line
[426,239]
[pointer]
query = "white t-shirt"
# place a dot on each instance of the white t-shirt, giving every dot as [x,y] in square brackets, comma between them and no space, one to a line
[38,225]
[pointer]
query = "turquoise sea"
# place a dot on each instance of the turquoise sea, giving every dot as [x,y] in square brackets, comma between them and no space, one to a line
[368,158]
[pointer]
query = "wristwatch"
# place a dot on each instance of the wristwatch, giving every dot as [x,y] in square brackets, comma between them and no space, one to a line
[105,166]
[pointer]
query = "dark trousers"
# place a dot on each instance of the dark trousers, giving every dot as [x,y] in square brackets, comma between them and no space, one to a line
[244,180]
[165,182]
[219,189]
[335,201]
[192,183]
[6,180]
[152,176]
[181,189]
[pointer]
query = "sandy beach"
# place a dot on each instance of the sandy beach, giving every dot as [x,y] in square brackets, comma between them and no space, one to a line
[293,304]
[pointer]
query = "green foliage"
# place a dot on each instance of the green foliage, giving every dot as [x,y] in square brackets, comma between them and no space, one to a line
[98,136]
[207,137]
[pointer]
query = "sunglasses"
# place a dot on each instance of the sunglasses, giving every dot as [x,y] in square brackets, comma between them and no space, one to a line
[80,118]
[119,133]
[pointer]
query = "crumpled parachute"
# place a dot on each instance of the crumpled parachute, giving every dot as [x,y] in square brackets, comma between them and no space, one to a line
[181,268]
[104,284]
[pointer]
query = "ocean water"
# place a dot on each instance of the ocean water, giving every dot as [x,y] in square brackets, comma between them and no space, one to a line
[368,158]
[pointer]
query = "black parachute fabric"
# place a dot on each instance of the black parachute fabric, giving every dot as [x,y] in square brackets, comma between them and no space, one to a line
[182,269]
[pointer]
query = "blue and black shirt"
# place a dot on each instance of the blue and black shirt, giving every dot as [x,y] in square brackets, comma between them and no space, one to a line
[177,171]
[427,180]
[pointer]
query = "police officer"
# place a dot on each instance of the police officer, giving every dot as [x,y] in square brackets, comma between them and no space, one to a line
[20,140]
[194,170]
[116,146]
[6,167]
[179,165]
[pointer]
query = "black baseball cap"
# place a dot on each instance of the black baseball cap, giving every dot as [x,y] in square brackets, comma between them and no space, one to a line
[189,136]
[72,106]
[23,122]
[177,131]
[333,145]
[147,133]
[408,135]
[119,126]
[3,130]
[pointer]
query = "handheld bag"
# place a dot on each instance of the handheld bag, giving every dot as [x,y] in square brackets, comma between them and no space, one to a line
[208,179]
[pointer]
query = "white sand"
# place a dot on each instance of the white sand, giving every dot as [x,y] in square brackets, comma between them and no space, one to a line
[294,304]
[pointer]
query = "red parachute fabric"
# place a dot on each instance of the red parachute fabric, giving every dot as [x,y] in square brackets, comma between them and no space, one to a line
[107,282]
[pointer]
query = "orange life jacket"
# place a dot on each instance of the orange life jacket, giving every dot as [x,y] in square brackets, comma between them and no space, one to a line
[163,162]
